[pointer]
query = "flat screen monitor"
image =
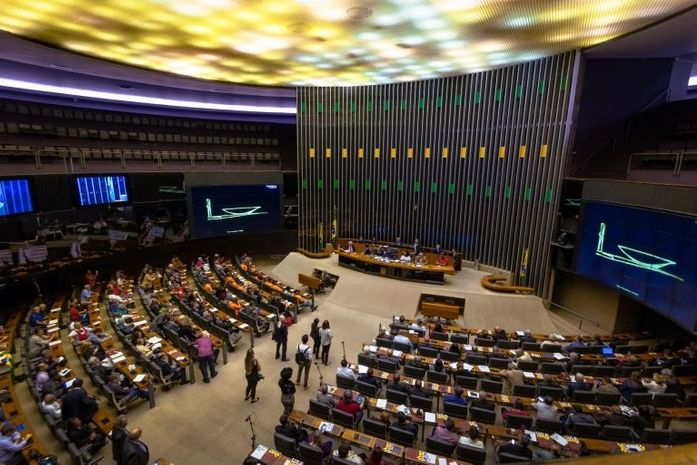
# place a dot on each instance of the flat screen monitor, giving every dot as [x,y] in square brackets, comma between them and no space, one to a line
[234,209]
[98,190]
[15,197]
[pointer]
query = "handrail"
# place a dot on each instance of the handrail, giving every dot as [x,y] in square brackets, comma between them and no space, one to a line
[323,254]
[495,283]
[582,317]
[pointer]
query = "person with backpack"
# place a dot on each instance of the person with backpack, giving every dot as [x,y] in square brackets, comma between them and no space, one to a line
[303,357]
[287,390]
[316,338]
[280,335]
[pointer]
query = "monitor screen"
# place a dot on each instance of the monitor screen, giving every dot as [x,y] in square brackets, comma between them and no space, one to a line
[233,209]
[97,190]
[647,255]
[15,197]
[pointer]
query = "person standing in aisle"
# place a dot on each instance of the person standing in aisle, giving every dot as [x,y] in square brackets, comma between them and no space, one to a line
[316,339]
[204,346]
[252,371]
[303,357]
[280,335]
[325,334]
[287,390]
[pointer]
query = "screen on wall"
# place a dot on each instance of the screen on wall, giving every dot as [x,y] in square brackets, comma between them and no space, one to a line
[232,209]
[97,190]
[646,254]
[15,197]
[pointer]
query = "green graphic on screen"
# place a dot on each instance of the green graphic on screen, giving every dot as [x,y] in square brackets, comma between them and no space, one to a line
[232,213]
[645,260]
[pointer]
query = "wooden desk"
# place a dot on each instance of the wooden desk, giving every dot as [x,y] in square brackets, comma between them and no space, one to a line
[270,456]
[435,309]
[433,274]
[412,455]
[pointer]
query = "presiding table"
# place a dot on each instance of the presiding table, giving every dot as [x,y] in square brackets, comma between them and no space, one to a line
[434,274]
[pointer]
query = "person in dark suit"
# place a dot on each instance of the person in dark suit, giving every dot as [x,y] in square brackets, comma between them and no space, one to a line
[134,451]
[118,436]
[350,248]
[280,335]
[76,403]
[416,246]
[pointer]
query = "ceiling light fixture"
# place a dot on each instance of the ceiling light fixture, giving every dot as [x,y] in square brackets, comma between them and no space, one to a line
[140,99]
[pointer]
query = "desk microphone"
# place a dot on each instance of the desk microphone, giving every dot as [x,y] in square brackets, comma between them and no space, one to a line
[248,418]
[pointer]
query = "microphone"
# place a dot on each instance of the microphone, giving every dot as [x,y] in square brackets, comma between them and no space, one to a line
[249,417]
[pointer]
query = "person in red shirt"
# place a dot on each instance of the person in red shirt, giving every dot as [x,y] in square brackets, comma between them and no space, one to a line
[80,332]
[348,405]
[517,409]
[442,260]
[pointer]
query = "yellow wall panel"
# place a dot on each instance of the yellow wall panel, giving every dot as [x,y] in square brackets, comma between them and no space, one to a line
[312,152]
[328,152]
[410,152]
[522,151]
[463,152]
[427,152]
[360,152]
[502,152]
[344,152]
[543,151]
[393,152]
[482,152]
[445,152]
[376,152]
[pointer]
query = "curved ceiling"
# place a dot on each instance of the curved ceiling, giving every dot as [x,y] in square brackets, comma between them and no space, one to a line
[326,42]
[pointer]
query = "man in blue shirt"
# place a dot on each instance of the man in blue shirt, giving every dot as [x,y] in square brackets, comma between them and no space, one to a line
[11,445]
[456,397]
[36,318]
[86,293]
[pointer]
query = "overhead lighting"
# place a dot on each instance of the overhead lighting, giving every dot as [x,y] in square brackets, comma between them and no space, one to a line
[140,99]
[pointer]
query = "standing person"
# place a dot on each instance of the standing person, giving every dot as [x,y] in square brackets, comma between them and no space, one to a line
[280,335]
[316,338]
[287,390]
[252,371]
[118,435]
[134,451]
[303,357]
[204,345]
[325,334]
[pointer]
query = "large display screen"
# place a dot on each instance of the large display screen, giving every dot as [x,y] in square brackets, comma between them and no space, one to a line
[15,197]
[646,254]
[232,209]
[97,190]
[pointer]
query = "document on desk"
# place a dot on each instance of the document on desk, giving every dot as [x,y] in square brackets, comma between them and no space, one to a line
[484,369]
[140,323]
[362,369]
[467,366]
[429,417]
[138,378]
[531,435]
[381,404]
[467,347]
[154,340]
[397,353]
[528,374]
[560,439]
[259,452]
[430,458]
[326,427]
[442,461]
[244,326]
[559,356]
[373,348]
[55,343]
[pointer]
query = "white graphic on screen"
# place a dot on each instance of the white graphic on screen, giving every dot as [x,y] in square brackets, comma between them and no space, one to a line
[232,212]
[634,257]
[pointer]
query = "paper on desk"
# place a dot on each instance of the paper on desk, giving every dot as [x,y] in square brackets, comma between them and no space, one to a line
[467,366]
[467,347]
[373,348]
[531,435]
[429,417]
[430,458]
[528,374]
[362,369]
[52,329]
[484,368]
[453,365]
[560,439]
[118,359]
[325,426]
[244,326]
[404,409]
[138,378]
[442,461]
[397,353]
[140,323]
[54,343]
[381,404]
[232,320]
[259,452]
[520,333]
[558,356]
[154,340]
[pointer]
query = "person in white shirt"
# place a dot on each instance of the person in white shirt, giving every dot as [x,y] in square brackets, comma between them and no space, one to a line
[325,335]
[345,452]
[418,325]
[401,338]
[304,354]
[545,409]
[52,406]
[657,385]
[405,257]
[473,439]
[345,371]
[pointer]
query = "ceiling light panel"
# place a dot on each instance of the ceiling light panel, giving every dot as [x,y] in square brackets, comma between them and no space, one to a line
[326,42]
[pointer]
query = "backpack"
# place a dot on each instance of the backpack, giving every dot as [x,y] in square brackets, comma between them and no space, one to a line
[300,356]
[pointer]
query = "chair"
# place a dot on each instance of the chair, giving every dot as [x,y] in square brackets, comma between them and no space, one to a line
[320,410]
[428,352]
[387,365]
[495,387]
[439,446]
[343,419]
[527,365]
[665,400]
[690,400]
[467,382]
[523,390]
[383,342]
[500,363]
[685,370]
[436,377]
[367,360]
[683,436]
[555,393]
[586,430]
[656,436]
[397,397]
[458,338]
[473,455]
[403,346]
[602,371]
[648,372]
[438,336]
[617,433]
[517,421]
[506,344]
[623,349]
[311,455]
[484,342]
[424,403]
[549,426]
[285,445]
[400,436]
[455,410]
[475,359]
[336,460]
[414,372]
[448,356]
[345,382]
[607,398]
[505,457]
[482,415]
[551,368]
[367,389]
[375,428]
[586,397]
[641,398]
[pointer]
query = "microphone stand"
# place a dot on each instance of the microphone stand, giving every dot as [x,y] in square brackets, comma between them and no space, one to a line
[343,349]
[321,378]
[254,435]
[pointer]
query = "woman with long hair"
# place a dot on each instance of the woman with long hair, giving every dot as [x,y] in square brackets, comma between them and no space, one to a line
[375,457]
[252,371]
[316,339]
[287,390]
[325,335]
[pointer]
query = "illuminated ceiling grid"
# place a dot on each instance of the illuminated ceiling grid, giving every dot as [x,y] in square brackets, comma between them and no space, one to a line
[326,42]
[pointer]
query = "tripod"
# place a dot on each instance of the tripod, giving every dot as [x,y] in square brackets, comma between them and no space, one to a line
[254,435]
[343,349]
[321,378]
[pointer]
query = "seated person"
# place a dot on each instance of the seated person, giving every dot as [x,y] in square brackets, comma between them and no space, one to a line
[169,368]
[291,430]
[420,259]
[604,385]
[51,406]
[520,448]
[578,384]
[631,385]
[83,435]
[446,433]
[483,402]
[124,389]
[575,344]
[456,397]
[346,371]
[38,343]
[546,410]
[517,409]
[323,396]
[405,257]
[577,416]
[403,424]
[418,390]
[442,260]
[367,250]
[397,385]
[36,318]
[472,438]
[348,405]
[315,440]
[375,457]
[345,452]
[370,379]
[11,444]
[401,338]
